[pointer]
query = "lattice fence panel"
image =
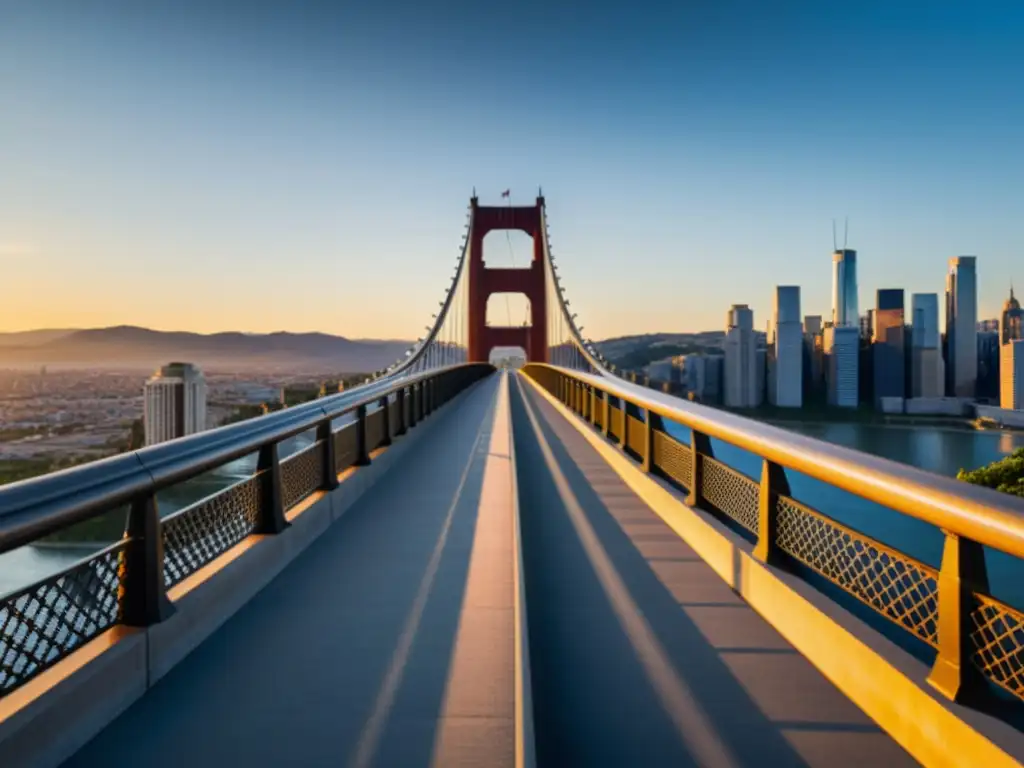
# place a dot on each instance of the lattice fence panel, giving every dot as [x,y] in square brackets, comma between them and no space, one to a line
[635,436]
[202,532]
[345,446]
[997,641]
[899,587]
[673,458]
[616,430]
[730,492]
[44,623]
[302,473]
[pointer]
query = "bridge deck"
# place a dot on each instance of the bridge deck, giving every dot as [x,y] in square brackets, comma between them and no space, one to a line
[388,642]
[641,654]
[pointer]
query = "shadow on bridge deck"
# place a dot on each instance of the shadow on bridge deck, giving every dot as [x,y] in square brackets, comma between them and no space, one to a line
[348,656]
[641,654]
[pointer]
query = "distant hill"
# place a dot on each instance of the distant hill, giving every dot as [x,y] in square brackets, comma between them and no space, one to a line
[130,346]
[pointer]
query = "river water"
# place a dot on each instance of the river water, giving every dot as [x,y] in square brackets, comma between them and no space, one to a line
[943,450]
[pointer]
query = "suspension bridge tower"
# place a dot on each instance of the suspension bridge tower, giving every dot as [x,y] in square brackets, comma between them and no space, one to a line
[530,281]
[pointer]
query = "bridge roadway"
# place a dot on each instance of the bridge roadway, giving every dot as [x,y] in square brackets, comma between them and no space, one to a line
[390,640]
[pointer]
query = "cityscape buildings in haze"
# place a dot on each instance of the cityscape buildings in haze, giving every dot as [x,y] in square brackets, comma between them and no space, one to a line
[786,349]
[740,368]
[174,403]
[962,327]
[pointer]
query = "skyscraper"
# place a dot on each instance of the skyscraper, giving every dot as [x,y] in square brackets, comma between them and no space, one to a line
[842,350]
[1011,373]
[927,378]
[814,370]
[174,403]
[844,288]
[741,390]
[785,349]
[888,345]
[962,326]
[1011,321]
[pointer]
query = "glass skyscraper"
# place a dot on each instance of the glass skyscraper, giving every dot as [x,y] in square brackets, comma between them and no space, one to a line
[844,289]
[962,326]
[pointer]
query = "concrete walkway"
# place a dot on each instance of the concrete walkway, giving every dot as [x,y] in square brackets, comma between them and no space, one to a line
[389,642]
[641,654]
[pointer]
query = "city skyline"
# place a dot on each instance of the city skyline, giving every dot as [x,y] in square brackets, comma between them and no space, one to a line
[143,150]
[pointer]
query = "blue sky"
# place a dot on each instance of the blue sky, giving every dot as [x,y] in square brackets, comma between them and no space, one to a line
[265,166]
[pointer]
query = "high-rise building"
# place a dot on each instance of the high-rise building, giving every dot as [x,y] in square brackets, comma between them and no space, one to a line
[962,326]
[701,374]
[927,378]
[1011,321]
[888,345]
[842,352]
[992,324]
[844,288]
[741,390]
[174,403]
[1011,372]
[786,349]
[814,371]
[989,355]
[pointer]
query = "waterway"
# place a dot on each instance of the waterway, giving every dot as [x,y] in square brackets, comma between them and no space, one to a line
[943,450]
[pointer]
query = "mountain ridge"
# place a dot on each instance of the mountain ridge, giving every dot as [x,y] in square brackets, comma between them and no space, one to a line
[135,346]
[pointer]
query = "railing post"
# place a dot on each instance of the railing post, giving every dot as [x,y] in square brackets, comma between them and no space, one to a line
[362,454]
[593,406]
[385,406]
[606,415]
[412,406]
[145,598]
[324,433]
[624,437]
[963,573]
[774,483]
[700,446]
[400,408]
[652,424]
[271,503]
[421,396]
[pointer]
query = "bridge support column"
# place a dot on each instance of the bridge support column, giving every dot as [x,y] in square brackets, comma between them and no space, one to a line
[962,574]
[362,454]
[700,446]
[773,484]
[271,504]
[145,599]
[330,465]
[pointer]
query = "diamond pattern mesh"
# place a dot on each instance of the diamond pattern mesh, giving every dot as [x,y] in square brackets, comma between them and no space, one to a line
[635,436]
[196,535]
[997,640]
[345,446]
[616,430]
[301,474]
[46,622]
[730,492]
[673,458]
[897,586]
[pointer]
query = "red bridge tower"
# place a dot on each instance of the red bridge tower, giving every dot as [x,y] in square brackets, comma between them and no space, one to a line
[483,282]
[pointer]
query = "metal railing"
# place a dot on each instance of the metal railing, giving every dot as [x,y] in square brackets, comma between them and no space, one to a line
[127,581]
[977,639]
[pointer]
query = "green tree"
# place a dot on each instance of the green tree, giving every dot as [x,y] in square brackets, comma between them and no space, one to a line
[1006,474]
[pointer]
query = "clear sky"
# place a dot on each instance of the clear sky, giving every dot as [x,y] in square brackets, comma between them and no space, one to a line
[262,166]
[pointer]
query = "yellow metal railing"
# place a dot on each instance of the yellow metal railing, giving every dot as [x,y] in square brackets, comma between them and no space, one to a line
[975,636]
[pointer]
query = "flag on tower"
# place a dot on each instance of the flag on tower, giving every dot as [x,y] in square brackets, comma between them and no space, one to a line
[506,193]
